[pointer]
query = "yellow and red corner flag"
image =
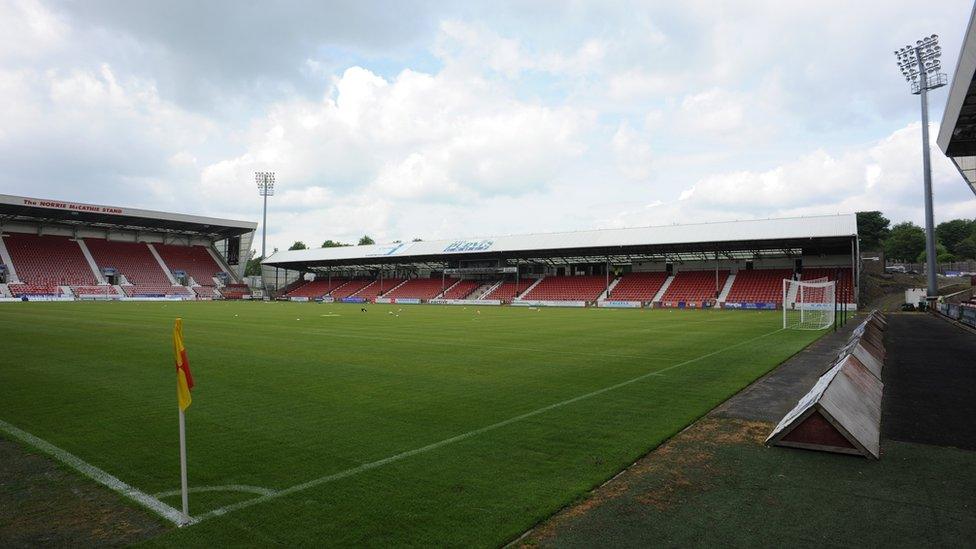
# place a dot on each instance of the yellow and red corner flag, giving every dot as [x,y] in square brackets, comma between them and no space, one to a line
[184,380]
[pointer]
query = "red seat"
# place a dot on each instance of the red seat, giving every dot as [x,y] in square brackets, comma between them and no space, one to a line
[421,288]
[758,286]
[43,263]
[638,286]
[695,286]
[568,288]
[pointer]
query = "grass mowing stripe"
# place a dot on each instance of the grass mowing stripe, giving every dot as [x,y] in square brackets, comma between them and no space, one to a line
[403,455]
[96,474]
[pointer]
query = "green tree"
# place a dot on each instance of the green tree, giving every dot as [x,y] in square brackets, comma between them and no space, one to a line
[253,266]
[905,241]
[333,244]
[366,240]
[966,248]
[951,233]
[873,229]
[298,245]
[942,255]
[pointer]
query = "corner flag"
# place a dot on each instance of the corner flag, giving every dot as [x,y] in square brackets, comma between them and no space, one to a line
[184,380]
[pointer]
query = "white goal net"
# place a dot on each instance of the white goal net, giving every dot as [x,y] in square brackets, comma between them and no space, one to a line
[809,304]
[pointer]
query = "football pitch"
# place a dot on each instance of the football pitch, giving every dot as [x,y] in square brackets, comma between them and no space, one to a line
[403,425]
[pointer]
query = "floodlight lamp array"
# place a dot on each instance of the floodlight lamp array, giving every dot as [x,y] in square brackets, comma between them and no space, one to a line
[265,182]
[920,60]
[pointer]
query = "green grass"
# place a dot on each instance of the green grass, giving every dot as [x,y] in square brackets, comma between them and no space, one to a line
[286,394]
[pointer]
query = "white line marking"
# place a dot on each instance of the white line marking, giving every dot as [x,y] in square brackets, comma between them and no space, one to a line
[403,455]
[96,474]
[228,488]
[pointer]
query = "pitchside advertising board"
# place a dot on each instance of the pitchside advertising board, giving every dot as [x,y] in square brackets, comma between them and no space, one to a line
[756,306]
[465,301]
[620,304]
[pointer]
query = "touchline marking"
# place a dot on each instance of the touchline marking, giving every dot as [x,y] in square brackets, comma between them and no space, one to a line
[96,474]
[379,463]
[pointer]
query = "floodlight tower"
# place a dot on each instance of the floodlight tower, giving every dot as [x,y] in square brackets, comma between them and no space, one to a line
[921,67]
[266,185]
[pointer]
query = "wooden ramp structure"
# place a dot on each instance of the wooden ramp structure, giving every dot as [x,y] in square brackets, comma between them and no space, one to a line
[842,411]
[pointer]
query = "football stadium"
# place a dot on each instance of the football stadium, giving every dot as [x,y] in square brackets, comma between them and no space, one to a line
[725,383]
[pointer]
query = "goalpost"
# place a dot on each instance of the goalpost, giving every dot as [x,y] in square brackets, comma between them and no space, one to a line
[809,304]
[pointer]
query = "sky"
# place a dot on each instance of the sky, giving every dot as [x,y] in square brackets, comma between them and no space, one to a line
[418,119]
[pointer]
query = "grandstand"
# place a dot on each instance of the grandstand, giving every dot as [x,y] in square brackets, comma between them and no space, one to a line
[57,250]
[739,264]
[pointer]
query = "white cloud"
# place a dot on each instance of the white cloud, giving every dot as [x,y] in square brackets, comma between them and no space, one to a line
[884,175]
[632,152]
[419,136]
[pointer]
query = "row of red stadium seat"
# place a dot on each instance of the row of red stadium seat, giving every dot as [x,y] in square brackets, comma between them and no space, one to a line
[49,260]
[568,288]
[18,290]
[695,286]
[379,288]
[507,291]
[421,288]
[316,288]
[462,289]
[758,286]
[195,261]
[638,286]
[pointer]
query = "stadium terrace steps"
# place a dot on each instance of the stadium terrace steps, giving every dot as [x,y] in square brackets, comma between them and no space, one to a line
[727,288]
[380,288]
[695,286]
[91,261]
[351,288]
[535,283]
[506,291]
[641,286]
[420,288]
[664,288]
[45,262]
[462,289]
[567,288]
[482,291]
[7,262]
[137,264]
[5,291]
[195,261]
[314,289]
[760,285]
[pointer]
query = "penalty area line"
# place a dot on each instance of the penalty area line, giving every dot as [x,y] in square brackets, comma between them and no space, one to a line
[96,474]
[433,446]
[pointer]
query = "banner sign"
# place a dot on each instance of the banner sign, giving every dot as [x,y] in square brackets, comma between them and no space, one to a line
[71,206]
[620,304]
[383,300]
[406,300]
[299,299]
[353,300]
[464,301]
[753,305]
[468,246]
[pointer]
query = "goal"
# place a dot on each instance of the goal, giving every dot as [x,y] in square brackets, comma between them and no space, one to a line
[809,304]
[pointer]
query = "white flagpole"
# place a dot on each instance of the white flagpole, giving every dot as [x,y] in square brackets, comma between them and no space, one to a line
[186,504]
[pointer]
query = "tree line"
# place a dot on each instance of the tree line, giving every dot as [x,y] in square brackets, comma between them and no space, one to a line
[955,239]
